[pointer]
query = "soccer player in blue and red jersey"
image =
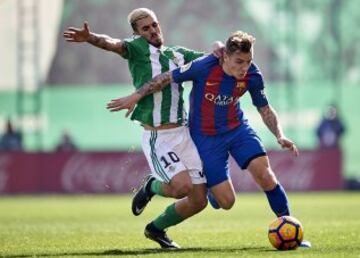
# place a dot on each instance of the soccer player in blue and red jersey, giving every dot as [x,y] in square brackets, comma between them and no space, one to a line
[217,123]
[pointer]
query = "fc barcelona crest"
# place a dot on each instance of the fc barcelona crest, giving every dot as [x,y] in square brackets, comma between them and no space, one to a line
[241,85]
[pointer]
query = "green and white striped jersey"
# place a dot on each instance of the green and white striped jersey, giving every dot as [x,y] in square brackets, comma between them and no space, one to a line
[145,62]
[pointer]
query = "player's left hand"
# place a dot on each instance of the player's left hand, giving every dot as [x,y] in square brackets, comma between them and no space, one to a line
[285,143]
[128,102]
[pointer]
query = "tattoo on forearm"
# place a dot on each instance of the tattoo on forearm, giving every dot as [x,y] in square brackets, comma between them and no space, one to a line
[98,40]
[106,42]
[270,118]
[156,84]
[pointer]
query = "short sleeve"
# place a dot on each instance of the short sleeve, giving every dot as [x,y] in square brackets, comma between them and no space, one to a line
[190,55]
[257,91]
[135,47]
[190,71]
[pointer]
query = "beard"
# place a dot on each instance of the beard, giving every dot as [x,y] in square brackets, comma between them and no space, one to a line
[156,40]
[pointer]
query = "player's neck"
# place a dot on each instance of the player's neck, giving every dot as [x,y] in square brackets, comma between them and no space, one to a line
[225,68]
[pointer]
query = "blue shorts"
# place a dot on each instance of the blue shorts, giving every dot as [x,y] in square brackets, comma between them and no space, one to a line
[242,143]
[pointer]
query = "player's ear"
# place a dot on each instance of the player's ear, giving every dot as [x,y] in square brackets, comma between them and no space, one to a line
[135,33]
[135,29]
[226,56]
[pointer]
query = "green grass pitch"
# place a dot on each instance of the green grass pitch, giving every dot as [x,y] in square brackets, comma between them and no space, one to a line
[103,226]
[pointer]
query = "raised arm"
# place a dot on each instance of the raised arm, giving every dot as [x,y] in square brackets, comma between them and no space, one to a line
[84,34]
[271,120]
[129,102]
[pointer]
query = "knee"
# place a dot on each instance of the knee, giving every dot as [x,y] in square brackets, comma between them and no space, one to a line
[199,204]
[181,190]
[202,203]
[226,202]
[267,180]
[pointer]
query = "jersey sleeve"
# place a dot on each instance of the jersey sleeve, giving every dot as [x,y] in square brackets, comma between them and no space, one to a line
[257,91]
[189,55]
[134,48]
[189,71]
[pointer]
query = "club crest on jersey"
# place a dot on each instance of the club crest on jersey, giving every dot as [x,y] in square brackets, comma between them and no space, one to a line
[241,85]
[186,67]
[176,61]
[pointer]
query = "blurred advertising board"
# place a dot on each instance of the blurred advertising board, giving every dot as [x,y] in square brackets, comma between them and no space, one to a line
[119,172]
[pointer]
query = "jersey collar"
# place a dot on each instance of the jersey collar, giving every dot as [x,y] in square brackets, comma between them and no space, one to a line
[154,50]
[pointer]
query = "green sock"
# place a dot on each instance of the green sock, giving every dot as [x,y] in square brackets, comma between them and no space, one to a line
[168,218]
[156,187]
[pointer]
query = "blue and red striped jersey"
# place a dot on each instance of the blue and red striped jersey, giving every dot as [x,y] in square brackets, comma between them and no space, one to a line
[214,105]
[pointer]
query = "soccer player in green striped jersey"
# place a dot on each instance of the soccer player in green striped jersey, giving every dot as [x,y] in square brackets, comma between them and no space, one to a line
[172,156]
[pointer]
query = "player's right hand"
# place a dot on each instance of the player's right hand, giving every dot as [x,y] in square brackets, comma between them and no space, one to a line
[218,49]
[128,102]
[286,143]
[77,35]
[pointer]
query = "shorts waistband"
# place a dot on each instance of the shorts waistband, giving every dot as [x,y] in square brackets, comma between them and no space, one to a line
[167,131]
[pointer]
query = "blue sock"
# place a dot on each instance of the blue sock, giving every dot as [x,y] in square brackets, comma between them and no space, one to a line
[278,201]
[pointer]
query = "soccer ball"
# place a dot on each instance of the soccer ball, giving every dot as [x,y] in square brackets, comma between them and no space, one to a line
[286,233]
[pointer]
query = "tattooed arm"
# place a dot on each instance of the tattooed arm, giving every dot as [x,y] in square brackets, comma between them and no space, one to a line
[101,41]
[107,43]
[156,84]
[271,120]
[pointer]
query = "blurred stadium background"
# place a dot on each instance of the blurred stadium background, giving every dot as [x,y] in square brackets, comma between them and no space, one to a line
[308,51]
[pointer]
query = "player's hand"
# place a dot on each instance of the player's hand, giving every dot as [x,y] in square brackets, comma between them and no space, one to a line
[128,103]
[77,35]
[218,49]
[285,143]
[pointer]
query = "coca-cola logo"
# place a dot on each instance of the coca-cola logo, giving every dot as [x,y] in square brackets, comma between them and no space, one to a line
[91,173]
[293,173]
[296,173]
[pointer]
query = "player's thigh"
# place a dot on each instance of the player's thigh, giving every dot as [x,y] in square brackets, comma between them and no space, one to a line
[262,173]
[170,154]
[198,195]
[158,149]
[188,153]
[214,155]
[181,179]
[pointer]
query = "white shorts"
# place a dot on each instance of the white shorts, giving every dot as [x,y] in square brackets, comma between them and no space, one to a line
[171,151]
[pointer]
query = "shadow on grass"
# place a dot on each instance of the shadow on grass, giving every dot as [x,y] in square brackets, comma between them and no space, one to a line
[136,252]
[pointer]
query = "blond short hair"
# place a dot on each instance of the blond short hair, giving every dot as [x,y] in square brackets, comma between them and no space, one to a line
[138,14]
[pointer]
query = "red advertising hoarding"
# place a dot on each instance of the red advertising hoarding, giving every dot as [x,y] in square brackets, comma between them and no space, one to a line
[119,172]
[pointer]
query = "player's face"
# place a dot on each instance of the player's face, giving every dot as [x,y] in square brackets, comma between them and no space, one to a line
[150,29]
[238,63]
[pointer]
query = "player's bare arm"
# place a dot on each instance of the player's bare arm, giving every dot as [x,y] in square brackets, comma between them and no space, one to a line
[156,84]
[270,118]
[107,43]
[129,102]
[84,34]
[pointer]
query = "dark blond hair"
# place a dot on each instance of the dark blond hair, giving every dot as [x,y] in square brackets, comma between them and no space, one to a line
[239,41]
[138,14]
